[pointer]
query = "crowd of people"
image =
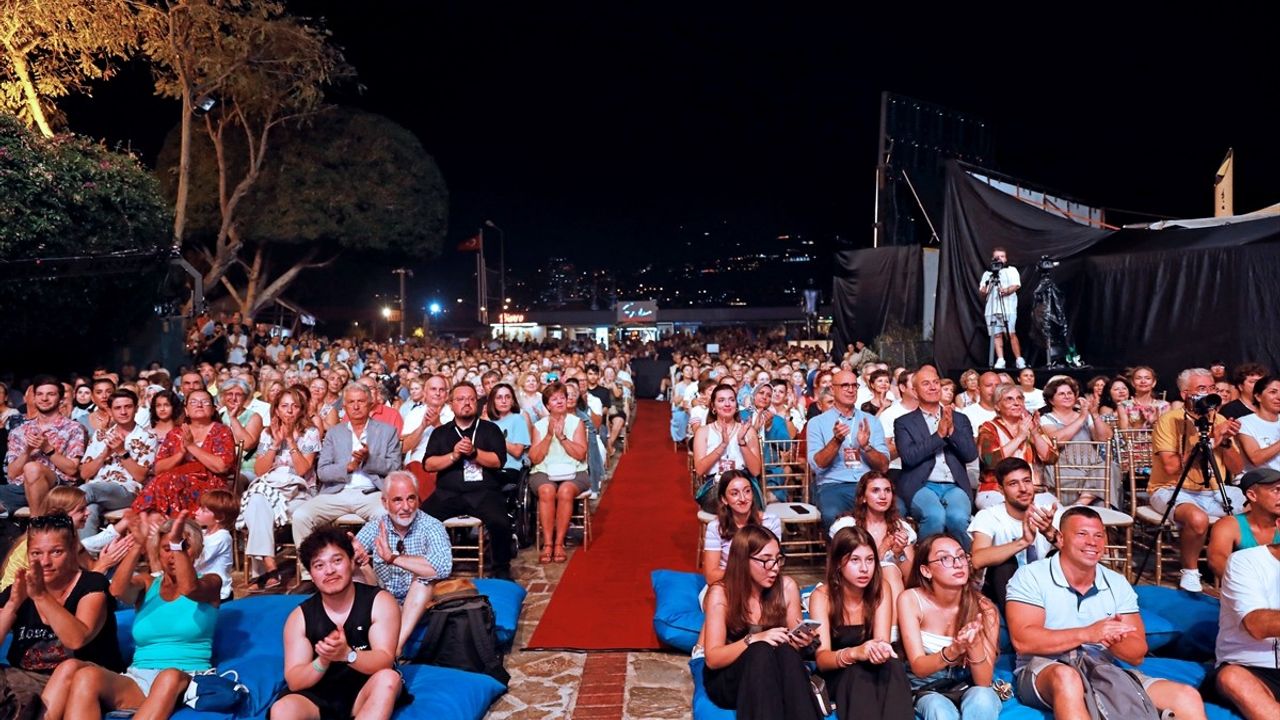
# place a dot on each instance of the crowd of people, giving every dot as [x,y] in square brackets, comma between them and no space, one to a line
[947,507]
[939,498]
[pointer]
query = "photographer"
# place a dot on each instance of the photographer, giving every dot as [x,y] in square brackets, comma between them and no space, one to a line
[1199,502]
[999,287]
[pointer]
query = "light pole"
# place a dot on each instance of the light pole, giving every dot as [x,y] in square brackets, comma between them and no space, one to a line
[502,276]
[402,272]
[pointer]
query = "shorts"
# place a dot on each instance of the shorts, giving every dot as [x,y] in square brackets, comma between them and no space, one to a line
[1269,677]
[580,480]
[1207,500]
[338,699]
[145,677]
[998,326]
[1025,682]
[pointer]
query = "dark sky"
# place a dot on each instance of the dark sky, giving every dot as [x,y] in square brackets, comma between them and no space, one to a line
[596,128]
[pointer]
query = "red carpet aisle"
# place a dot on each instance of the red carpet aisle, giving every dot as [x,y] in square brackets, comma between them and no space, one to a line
[646,520]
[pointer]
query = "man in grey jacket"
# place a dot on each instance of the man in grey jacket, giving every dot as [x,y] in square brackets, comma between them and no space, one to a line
[355,458]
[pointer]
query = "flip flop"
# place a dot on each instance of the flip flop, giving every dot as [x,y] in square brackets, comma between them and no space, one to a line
[560,555]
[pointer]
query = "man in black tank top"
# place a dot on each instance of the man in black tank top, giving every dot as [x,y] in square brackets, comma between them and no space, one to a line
[340,643]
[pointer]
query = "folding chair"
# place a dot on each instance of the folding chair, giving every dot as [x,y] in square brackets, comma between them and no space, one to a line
[1089,467]
[465,551]
[787,472]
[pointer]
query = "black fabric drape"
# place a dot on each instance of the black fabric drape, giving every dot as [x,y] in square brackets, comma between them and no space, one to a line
[872,287]
[979,218]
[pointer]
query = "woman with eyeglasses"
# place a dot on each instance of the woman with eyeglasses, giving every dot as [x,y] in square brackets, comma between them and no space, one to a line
[753,663]
[855,606]
[949,632]
[737,509]
[724,444]
[285,467]
[1013,432]
[56,611]
[242,420]
[173,630]
[195,456]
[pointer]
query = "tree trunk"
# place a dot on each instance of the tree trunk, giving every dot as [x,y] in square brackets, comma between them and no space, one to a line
[23,71]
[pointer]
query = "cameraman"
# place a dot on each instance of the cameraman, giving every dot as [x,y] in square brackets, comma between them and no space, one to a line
[1199,502]
[1001,313]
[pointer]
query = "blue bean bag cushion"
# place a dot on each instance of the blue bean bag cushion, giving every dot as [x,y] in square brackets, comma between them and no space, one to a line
[440,693]
[677,620]
[1195,615]
[506,597]
[703,708]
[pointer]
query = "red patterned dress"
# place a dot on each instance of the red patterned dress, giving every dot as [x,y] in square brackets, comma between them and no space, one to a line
[180,488]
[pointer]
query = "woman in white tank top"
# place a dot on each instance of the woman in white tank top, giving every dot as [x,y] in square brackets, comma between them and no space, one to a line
[723,443]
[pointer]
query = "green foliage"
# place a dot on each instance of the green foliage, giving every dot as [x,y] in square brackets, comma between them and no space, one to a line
[68,196]
[348,179]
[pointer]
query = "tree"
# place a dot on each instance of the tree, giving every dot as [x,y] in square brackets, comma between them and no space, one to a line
[55,47]
[71,197]
[258,69]
[349,180]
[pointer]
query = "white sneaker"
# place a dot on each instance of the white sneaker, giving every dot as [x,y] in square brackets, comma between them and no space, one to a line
[999,364]
[1019,363]
[1190,581]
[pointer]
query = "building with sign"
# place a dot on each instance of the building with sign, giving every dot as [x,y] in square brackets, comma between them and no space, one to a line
[644,321]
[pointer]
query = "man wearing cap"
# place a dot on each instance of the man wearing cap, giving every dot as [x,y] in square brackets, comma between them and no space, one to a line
[1248,644]
[1248,529]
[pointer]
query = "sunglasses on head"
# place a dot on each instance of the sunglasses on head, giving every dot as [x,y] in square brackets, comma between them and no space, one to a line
[51,521]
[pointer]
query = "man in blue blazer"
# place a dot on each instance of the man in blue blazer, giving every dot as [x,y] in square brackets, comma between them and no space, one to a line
[355,458]
[935,444]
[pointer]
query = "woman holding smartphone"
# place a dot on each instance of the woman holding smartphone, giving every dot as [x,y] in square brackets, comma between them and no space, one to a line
[753,663]
[855,607]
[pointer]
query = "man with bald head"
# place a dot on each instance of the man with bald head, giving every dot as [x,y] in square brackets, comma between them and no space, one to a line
[935,444]
[844,443]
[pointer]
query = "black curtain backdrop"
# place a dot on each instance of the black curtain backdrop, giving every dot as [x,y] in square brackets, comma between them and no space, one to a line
[1170,298]
[872,287]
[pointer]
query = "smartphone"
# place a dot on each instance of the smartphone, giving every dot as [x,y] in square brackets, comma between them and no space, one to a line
[810,626]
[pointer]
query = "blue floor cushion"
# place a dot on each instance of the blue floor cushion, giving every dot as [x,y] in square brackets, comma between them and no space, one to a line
[677,619]
[447,694]
[703,708]
[1195,614]
[506,597]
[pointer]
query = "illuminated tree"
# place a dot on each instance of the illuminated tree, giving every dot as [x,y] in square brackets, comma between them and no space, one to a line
[55,47]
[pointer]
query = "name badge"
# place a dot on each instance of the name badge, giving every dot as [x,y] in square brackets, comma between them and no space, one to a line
[471,472]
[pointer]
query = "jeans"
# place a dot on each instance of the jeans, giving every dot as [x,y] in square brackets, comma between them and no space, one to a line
[834,500]
[938,506]
[978,703]
[102,496]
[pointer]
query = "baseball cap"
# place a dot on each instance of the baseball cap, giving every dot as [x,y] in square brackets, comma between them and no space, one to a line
[1259,476]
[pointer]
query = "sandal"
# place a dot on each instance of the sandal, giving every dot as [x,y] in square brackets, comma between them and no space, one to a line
[545,557]
[269,580]
[560,555]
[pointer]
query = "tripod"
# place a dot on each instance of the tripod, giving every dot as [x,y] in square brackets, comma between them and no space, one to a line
[1201,453]
[1002,320]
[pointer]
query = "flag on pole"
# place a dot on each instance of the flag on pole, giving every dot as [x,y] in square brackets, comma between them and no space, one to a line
[471,244]
[1224,187]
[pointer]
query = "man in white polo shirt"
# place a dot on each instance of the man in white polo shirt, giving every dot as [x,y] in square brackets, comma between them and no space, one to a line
[1069,602]
[1248,646]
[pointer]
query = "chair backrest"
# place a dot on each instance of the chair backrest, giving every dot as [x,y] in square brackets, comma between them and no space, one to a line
[1134,447]
[239,483]
[785,470]
[1083,467]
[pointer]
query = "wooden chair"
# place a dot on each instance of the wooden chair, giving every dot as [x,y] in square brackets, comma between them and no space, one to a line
[465,551]
[579,519]
[787,472]
[1152,538]
[1088,467]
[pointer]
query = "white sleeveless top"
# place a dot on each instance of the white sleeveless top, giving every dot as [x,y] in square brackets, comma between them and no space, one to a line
[732,458]
[558,465]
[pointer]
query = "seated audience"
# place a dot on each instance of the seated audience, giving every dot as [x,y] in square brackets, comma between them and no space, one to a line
[876,510]
[559,474]
[422,415]
[339,644]
[173,630]
[241,418]
[43,452]
[216,516]
[404,551]
[196,456]
[117,461]
[1260,430]
[1074,418]
[1013,433]
[935,443]
[1256,526]
[949,632]
[55,610]
[1243,377]
[753,663]
[518,435]
[737,509]
[467,455]
[1143,408]
[1071,603]
[864,676]
[1199,502]
[723,443]
[843,443]
[1248,672]
[1015,532]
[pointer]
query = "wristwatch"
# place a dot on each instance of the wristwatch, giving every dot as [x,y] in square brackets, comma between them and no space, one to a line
[351,656]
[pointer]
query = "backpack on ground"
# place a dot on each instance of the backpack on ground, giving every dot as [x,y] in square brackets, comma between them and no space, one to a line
[462,631]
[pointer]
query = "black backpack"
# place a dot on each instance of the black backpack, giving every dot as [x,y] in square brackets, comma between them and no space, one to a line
[461,632]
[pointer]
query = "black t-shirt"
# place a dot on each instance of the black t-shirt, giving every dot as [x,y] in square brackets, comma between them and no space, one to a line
[484,436]
[604,395]
[1235,410]
[36,648]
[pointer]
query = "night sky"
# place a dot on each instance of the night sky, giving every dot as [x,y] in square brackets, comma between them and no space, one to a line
[595,130]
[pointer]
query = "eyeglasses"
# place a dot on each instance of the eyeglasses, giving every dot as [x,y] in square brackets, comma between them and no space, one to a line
[952,561]
[199,403]
[770,563]
[58,520]
[847,386]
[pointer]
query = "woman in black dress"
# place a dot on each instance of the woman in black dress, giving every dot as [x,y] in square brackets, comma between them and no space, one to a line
[753,664]
[861,668]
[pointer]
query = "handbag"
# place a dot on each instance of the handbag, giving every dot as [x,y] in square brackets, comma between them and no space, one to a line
[821,699]
[951,688]
[213,692]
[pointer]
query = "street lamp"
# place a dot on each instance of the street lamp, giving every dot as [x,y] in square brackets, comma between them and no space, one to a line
[502,271]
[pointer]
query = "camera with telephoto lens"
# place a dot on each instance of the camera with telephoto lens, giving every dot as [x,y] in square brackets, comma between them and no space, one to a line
[1204,403]
[1046,263]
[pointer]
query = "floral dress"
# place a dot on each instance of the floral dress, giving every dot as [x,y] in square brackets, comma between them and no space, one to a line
[180,488]
[281,485]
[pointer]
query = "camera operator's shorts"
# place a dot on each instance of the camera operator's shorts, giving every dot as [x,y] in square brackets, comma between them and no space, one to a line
[1207,500]
[998,326]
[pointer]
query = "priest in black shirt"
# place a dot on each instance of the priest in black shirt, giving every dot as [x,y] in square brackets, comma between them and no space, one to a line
[467,455]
